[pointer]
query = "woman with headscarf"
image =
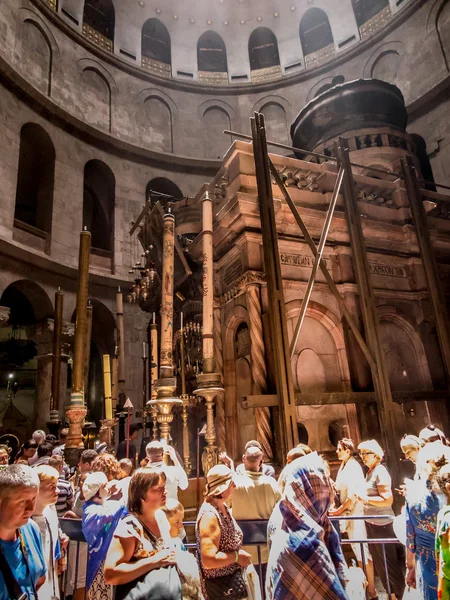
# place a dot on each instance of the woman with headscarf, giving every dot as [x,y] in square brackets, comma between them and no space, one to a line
[306,560]
[378,502]
[219,538]
[424,500]
[100,519]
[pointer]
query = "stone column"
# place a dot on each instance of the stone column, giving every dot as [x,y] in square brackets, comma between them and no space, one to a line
[167,383]
[259,370]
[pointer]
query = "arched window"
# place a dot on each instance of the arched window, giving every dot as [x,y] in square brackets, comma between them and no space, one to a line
[161,185]
[211,56]
[98,204]
[263,49]
[367,9]
[35,179]
[156,47]
[99,22]
[315,33]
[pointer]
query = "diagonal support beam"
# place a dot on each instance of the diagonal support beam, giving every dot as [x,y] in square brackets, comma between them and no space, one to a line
[277,311]
[344,310]
[318,259]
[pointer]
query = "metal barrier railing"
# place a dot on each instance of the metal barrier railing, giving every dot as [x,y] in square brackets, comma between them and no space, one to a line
[254,531]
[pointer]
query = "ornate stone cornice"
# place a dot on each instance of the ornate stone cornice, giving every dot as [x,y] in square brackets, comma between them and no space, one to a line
[248,278]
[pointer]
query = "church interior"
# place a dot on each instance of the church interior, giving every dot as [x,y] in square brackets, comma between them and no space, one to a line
[226,220]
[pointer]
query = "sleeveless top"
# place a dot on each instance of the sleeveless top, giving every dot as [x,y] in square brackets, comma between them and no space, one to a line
[231,538]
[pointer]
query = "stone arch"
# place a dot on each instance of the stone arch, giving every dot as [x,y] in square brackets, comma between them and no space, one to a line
[386,66]
[35,179]
[443,30]
[37,298]
[263,49]
[158,123]
[315,31]
[155,43]
[322,346]
[366,9]
[276,111]
[389,48]
[99,192]
[324,85]
[235,315]
[163,186]
[99,19]
[211,53]
[39,50]
[415,348]
[215,120]
[97,97]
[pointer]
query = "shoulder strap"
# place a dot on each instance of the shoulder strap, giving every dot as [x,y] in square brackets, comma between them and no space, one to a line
[14,589]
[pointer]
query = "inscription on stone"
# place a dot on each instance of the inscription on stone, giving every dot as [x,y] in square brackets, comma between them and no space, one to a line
[387,270]
[300,260]
[232,272]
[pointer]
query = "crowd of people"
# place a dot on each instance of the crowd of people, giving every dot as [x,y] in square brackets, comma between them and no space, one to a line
[135,543]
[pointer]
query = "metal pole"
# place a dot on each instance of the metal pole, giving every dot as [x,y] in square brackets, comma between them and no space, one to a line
[320,249]
[368,308]
[428,259]
[277,314]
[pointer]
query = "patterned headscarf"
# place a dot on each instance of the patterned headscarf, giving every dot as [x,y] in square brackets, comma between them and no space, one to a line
[306,560]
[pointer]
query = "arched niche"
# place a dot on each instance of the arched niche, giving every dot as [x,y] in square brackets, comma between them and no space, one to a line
[443,29]
[155,43]
[215,121]
[263,49]
[367,9]
[276,122]
[162,185]
[36,54]
[310,372]
[28,301]
[315,31]
[386,66]
[211,53]
[99,22]
[158,124]
[96,98]
[35,180]
[99,190]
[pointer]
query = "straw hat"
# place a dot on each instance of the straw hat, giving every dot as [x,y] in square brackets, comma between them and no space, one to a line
[217,480]
[93,483]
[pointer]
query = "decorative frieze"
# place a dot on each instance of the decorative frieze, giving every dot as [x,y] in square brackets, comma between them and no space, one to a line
[213,78]
[375,23]
[316,58]
[97,38]
[156,66]
[267,74]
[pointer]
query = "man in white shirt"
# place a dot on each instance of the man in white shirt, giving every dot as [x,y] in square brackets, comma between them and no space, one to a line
[175,475]
[255,496]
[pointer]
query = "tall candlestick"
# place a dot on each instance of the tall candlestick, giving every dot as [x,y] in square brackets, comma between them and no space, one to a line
[114,381]
[87,347]
[120,348]
[107,386]
[208,284]
[154,358]
[166,358]
[56,357]
[76,410]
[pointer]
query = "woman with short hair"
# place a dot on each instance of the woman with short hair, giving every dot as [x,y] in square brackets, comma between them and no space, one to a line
[350,482]
[378,501]
[141,559]
[219,538]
